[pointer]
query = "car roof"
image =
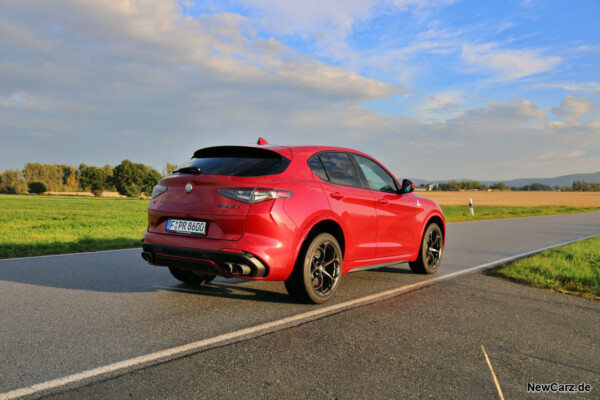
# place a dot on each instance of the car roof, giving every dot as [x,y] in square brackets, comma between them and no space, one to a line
[302,152]
[285,150]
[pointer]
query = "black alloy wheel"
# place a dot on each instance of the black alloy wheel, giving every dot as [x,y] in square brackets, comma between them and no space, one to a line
[317,272]
[430,254]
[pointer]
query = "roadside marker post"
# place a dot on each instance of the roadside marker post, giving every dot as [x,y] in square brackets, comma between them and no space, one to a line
[471,207]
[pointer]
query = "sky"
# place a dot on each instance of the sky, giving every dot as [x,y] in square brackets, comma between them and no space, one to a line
[449,89]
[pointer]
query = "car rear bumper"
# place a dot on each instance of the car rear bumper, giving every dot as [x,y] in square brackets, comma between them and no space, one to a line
[214,262]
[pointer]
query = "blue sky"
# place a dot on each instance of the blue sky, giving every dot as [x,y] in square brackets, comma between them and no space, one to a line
[434,89]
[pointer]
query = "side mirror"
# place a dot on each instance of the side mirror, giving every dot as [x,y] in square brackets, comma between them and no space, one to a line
[407,186]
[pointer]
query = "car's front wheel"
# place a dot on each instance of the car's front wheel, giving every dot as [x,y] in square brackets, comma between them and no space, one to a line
[430,254]
[317,272]
[191,277]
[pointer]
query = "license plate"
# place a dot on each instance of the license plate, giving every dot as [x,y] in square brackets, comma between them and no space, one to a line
[186,226]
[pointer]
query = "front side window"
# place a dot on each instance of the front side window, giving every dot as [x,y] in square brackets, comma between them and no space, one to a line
[340,169]
[377,178]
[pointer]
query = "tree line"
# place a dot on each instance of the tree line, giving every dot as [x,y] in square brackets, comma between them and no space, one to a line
[577,186]
[128,178]
[134,179]
[583,186]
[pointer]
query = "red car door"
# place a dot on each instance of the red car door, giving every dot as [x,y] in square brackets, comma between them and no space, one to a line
[397,234]
[354,205]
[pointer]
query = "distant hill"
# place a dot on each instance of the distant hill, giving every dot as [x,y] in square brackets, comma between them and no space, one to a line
[564,180]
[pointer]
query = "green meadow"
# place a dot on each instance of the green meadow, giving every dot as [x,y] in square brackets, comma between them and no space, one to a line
[461,213]
[36,225]
[574,269]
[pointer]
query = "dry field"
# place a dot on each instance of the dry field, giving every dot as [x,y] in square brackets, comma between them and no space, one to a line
[526,199]
[85,194]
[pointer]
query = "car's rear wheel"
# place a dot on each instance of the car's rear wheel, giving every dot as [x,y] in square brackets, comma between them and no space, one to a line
[430,254]
[191,277]
[317,272]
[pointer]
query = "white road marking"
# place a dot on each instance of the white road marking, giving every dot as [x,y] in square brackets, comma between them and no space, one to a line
[122,367]
[487,359]
[70,254]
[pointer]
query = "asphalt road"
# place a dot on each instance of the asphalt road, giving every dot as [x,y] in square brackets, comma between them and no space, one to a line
[422,345]
[61,315]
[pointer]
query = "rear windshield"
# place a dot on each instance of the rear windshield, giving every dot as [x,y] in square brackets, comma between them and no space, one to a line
[237,161]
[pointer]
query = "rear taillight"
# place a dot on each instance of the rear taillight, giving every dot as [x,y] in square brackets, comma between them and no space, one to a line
[254,195]
[158,190]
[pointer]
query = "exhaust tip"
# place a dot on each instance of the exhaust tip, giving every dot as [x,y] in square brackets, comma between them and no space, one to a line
[228,267]
[147,256]
[236,269]
[241,269]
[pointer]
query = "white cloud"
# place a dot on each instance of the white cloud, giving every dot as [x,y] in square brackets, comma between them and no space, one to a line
[442,106]
[19,99]
[329,23]
[507,64]
[140,74]
[98,82]
[586,87]
[512,114]
[530,3]
[572,109]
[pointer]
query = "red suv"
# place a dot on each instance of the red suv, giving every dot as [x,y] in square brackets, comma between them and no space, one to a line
[304,215]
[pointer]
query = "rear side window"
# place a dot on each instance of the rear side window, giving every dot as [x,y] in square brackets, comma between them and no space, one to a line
[340,169]
[317,166]
[237,161]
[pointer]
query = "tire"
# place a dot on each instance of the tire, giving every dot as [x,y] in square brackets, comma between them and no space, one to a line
[191,277]
[317,272]
[430,254]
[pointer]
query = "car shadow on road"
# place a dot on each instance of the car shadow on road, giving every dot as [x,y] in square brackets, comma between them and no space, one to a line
[232,291]
[393,270]
[127,279]
[100,273]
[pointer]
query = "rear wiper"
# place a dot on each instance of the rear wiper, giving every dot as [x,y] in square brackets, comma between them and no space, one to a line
[189,170]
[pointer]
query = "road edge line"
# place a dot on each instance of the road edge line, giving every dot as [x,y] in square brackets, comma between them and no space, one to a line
[71,254]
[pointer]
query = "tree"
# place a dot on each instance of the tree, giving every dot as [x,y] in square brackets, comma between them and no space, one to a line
[169,167]
[462,185]
[93,179]
[150,180]
[108,171]
[36,187]
[70,178]
[499,186]
[131,179]
[12,182]
[536,187]
[49,174]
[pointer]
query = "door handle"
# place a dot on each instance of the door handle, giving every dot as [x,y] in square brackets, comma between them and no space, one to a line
[337,195]
[383,201]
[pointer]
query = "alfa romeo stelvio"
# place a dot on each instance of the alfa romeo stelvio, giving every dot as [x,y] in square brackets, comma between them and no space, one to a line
[305,215]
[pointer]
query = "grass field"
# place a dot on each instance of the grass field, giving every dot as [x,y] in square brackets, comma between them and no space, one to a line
[574,269]
[37,225]
[461,213]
